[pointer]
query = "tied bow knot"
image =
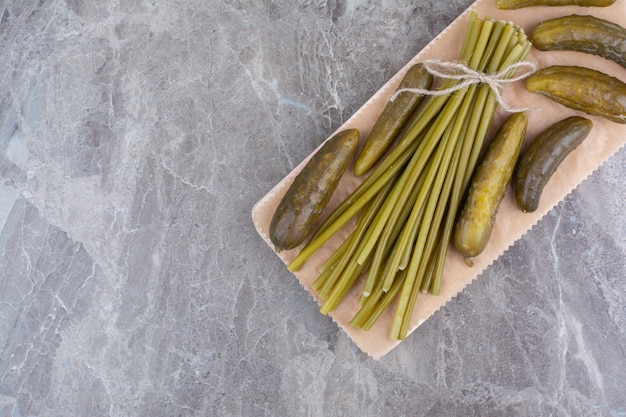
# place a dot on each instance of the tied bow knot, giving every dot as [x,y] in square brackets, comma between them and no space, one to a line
[468,76]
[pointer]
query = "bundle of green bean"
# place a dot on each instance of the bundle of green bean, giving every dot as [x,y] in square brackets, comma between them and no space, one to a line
[408,204]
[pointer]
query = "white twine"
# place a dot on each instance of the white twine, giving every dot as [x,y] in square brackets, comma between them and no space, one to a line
[457,71]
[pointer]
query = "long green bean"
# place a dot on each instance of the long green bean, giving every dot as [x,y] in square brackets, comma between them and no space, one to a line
[408,203]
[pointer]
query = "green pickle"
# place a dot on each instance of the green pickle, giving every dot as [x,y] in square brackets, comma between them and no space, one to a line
[311,190]
[543,156]
[392,119]
[588,34]
[488,187]
[583,89]
[518,4]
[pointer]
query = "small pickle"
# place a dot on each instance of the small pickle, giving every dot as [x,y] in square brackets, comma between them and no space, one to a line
[310,192]
[518,4]
[588,34]
[584,89]
[543,156]
[475,224]
[391,120]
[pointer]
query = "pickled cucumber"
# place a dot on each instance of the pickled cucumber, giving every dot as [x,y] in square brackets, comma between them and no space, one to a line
[584,89]
[475,224]
[543,156]
[518,4]
[391,120]
[310,192]
[587,34]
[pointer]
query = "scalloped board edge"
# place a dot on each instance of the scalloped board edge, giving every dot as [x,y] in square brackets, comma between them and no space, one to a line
[605,140]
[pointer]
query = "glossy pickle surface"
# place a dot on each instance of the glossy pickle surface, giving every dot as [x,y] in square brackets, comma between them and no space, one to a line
[311,190]
[543,156]
[584,89]
[488,187]
[582,33]
[392,119]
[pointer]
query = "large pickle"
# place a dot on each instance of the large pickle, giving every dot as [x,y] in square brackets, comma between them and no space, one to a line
[310,192]
[588,34]
[518,4]
[475,224]
[584,89]
[543,156]
[392,118]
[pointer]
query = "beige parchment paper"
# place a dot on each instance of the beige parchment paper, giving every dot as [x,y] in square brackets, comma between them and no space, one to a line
[605,139]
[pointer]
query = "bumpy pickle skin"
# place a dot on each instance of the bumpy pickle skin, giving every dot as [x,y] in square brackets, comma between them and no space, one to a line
[488,187]
[392,119]
[543,156]
[587,34]
[583,89]
[519,4]
[309,194]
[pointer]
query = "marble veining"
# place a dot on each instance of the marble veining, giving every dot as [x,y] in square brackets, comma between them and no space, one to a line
[135,138]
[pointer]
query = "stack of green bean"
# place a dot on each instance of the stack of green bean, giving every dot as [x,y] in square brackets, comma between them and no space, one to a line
[407,206]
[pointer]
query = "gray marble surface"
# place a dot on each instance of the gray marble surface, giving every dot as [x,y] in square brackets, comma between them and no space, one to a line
[135,136]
